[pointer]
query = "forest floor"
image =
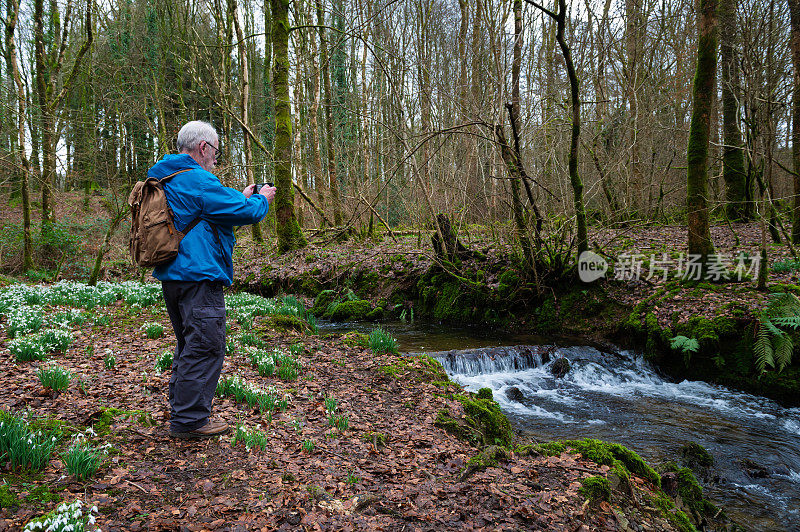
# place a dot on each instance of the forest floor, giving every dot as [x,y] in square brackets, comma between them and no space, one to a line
[391,468]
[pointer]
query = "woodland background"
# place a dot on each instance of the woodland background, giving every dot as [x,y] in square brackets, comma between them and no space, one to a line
[391,108]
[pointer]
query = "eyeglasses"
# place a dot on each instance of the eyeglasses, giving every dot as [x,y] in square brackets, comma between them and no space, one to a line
[217,151]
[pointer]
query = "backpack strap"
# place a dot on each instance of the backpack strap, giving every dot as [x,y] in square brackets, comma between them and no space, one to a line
[170,176]
[196,220]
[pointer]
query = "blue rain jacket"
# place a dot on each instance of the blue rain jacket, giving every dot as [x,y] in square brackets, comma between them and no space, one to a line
[198,193]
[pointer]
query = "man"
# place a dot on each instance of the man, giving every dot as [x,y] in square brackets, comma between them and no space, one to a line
[193,282]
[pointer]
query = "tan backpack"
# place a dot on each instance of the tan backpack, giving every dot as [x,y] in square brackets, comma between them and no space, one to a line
[154,239]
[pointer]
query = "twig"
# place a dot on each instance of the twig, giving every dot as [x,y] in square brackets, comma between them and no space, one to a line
[136,485]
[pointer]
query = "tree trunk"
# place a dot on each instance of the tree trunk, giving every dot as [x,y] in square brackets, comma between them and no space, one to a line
[244,72]
[12,17]
[289,235]
[794,12]
[697,153]
[330,143]
[733,153]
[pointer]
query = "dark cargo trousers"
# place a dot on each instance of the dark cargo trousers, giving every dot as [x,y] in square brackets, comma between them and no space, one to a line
[197,313]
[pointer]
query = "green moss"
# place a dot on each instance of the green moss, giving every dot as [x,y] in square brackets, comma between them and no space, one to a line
[8,500]
[552,448]
[461,431]
[696,456]
[692,495]
[376,438]
[456,297]
[42,495]
[109,415]
[485,414]
[507,283]
[485,393]
[432,370]
[308,285]
[287,323]
[546,318]
[703,330]
[376,314]
[676,517]
[355,339]
[322,301]
[612,454]
[356,310]
[595,489]
[489,457]
[395,370]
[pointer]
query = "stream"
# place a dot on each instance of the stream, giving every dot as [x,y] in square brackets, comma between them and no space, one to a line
[620,397]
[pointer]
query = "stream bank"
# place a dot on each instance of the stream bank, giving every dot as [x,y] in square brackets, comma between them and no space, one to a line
[355,282]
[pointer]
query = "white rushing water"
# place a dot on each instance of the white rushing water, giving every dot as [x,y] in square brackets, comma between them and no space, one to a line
[620,397]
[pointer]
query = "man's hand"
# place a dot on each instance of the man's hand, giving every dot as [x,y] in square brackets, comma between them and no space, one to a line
[268,191]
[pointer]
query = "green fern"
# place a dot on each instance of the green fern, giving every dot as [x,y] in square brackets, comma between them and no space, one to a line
[684,344]
[774,346]
[762,349]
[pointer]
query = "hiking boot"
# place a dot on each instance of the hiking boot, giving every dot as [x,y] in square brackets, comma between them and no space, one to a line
[212,428]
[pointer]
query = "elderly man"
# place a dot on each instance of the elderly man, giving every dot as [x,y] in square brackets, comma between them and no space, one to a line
[193,282]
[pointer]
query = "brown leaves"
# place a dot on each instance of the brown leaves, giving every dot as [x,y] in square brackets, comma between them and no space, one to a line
[349,481]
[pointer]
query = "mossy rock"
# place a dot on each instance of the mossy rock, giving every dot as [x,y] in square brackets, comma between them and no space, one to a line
[287,323]
[676,517]
[553,448]
[432,370]
[696,457]
[692,497]
[456,298]
[483,425]
[376,314]
[485,414]
[485,393]
[595,489]
[356,310]
[322,301]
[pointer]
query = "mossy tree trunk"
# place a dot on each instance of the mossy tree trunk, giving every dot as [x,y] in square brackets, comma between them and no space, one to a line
[268,129]
[738,206]
[289,235]
[12,16]
[697,154]
[794,14]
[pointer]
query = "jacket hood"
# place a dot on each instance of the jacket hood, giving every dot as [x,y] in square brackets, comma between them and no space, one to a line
[171,163]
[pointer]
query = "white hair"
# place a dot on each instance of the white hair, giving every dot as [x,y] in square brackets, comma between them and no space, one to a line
[193,133]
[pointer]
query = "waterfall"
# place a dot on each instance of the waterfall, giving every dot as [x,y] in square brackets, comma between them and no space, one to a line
[487,360]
